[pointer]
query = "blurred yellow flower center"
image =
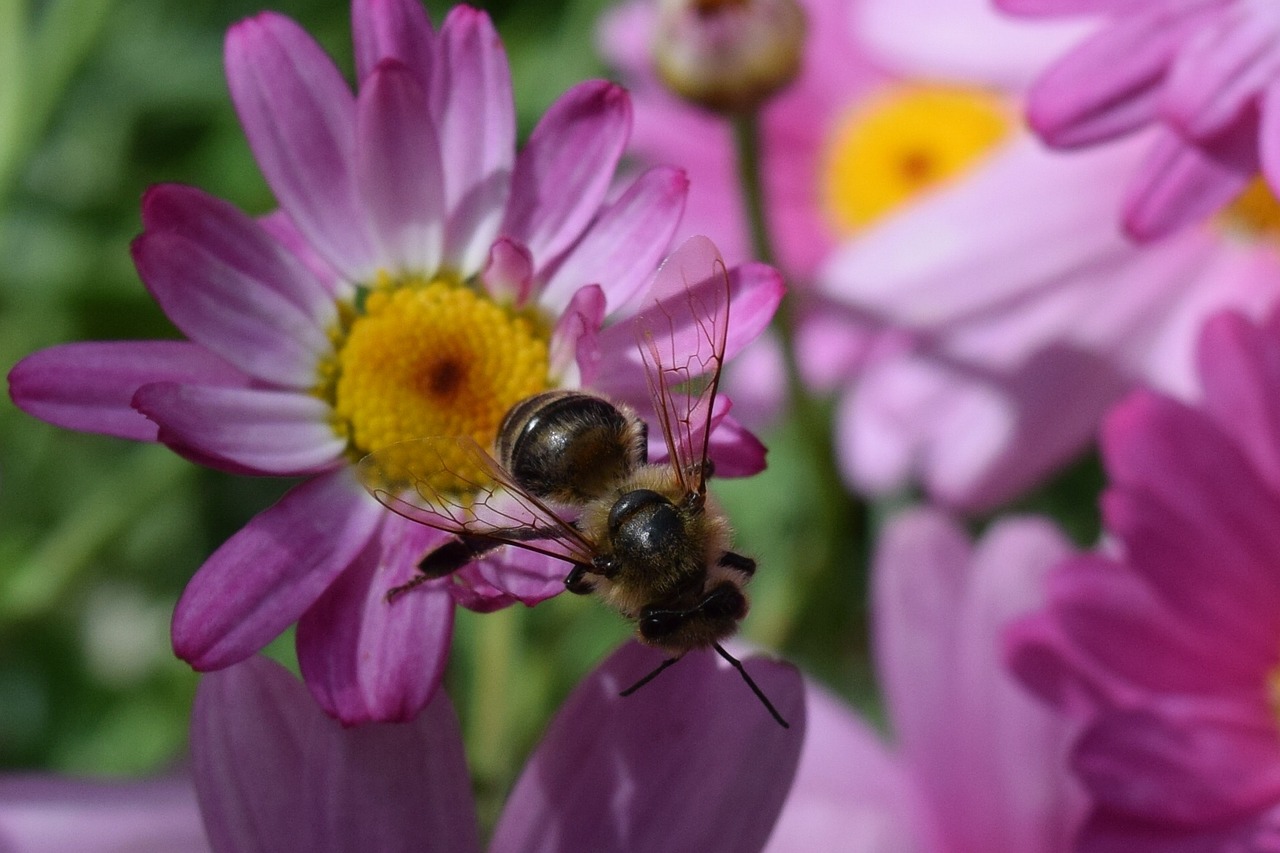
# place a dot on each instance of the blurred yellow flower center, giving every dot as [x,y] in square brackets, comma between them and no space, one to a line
[427,359]
[907,140]
[1255,213]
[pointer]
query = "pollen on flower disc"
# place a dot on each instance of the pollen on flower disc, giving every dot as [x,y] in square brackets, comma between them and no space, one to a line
[1254,213]
[905,141]
[430,360]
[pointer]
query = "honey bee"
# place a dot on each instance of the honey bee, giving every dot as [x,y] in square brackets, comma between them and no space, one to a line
[572,479]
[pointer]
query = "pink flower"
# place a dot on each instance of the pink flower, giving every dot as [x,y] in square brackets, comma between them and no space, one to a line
[47,814]
[1166,643]
[419,279]
[1207,73]
[691,758]
[979,765]
[975,332]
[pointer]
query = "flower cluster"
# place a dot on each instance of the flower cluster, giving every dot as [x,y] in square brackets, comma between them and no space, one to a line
[1010,231]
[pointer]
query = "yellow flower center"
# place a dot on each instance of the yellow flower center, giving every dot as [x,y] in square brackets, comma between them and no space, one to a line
[907,140]
[1255,213]
[433,358]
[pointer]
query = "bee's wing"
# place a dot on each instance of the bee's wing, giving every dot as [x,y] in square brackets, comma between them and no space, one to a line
[683,326]
[420,480]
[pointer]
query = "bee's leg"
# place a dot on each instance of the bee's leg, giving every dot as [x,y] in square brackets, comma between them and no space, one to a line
[446,560]
[576,581]
[731,560]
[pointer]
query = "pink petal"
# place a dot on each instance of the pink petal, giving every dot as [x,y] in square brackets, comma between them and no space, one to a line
[273,773]
[919,574]
[281,228]
[266,576]
[247,430]
[236,312]
[1180,184]
[90,386]
[961,41]
[1269,134]
[1185,763]
[849,791]
[1028,799]
[238,241]
[513,574]
[687,749]
[1110,84]
[575,348]
[1066,7]
[392,29]
[47,813]
[398,169]
[299,116]
[1221,70]
[508,274]
[565,169]
[754,293]
[471,103]
[625,243]
[365,658]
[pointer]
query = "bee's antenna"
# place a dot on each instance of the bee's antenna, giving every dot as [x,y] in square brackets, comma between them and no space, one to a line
[650,677]
[737,664]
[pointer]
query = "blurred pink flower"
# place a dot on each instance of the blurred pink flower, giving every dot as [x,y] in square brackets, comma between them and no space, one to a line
[691,759]
[1207,73]
[979,764]
[976,333]
[1166,643]
[419,279]
[49,814]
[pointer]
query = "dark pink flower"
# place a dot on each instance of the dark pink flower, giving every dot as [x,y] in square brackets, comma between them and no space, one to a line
[1207,72]
[419,278]
[691,759]
[1166,643]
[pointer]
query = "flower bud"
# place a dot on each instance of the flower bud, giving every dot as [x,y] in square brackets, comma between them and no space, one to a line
[728,55]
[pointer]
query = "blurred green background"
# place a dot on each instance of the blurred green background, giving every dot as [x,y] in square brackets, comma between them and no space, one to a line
[98,100]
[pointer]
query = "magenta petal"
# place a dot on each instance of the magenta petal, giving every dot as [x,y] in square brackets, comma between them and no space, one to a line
[475,117]
[1269,135]
[1065,7]
[1239,368]
[49,814]
[398,169]
[1184,762]
[1220,71]
[300,117]
[281,228]
[90,386]
[1179,184]
[564,171]
[692,756]
[252,431]
[392,29]
[1112,832]
[625,242]
[1110,84]
[265,576]
[237,312]
[1197,521]
[273,773]
[365,658]
[575,346]
[735,450]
